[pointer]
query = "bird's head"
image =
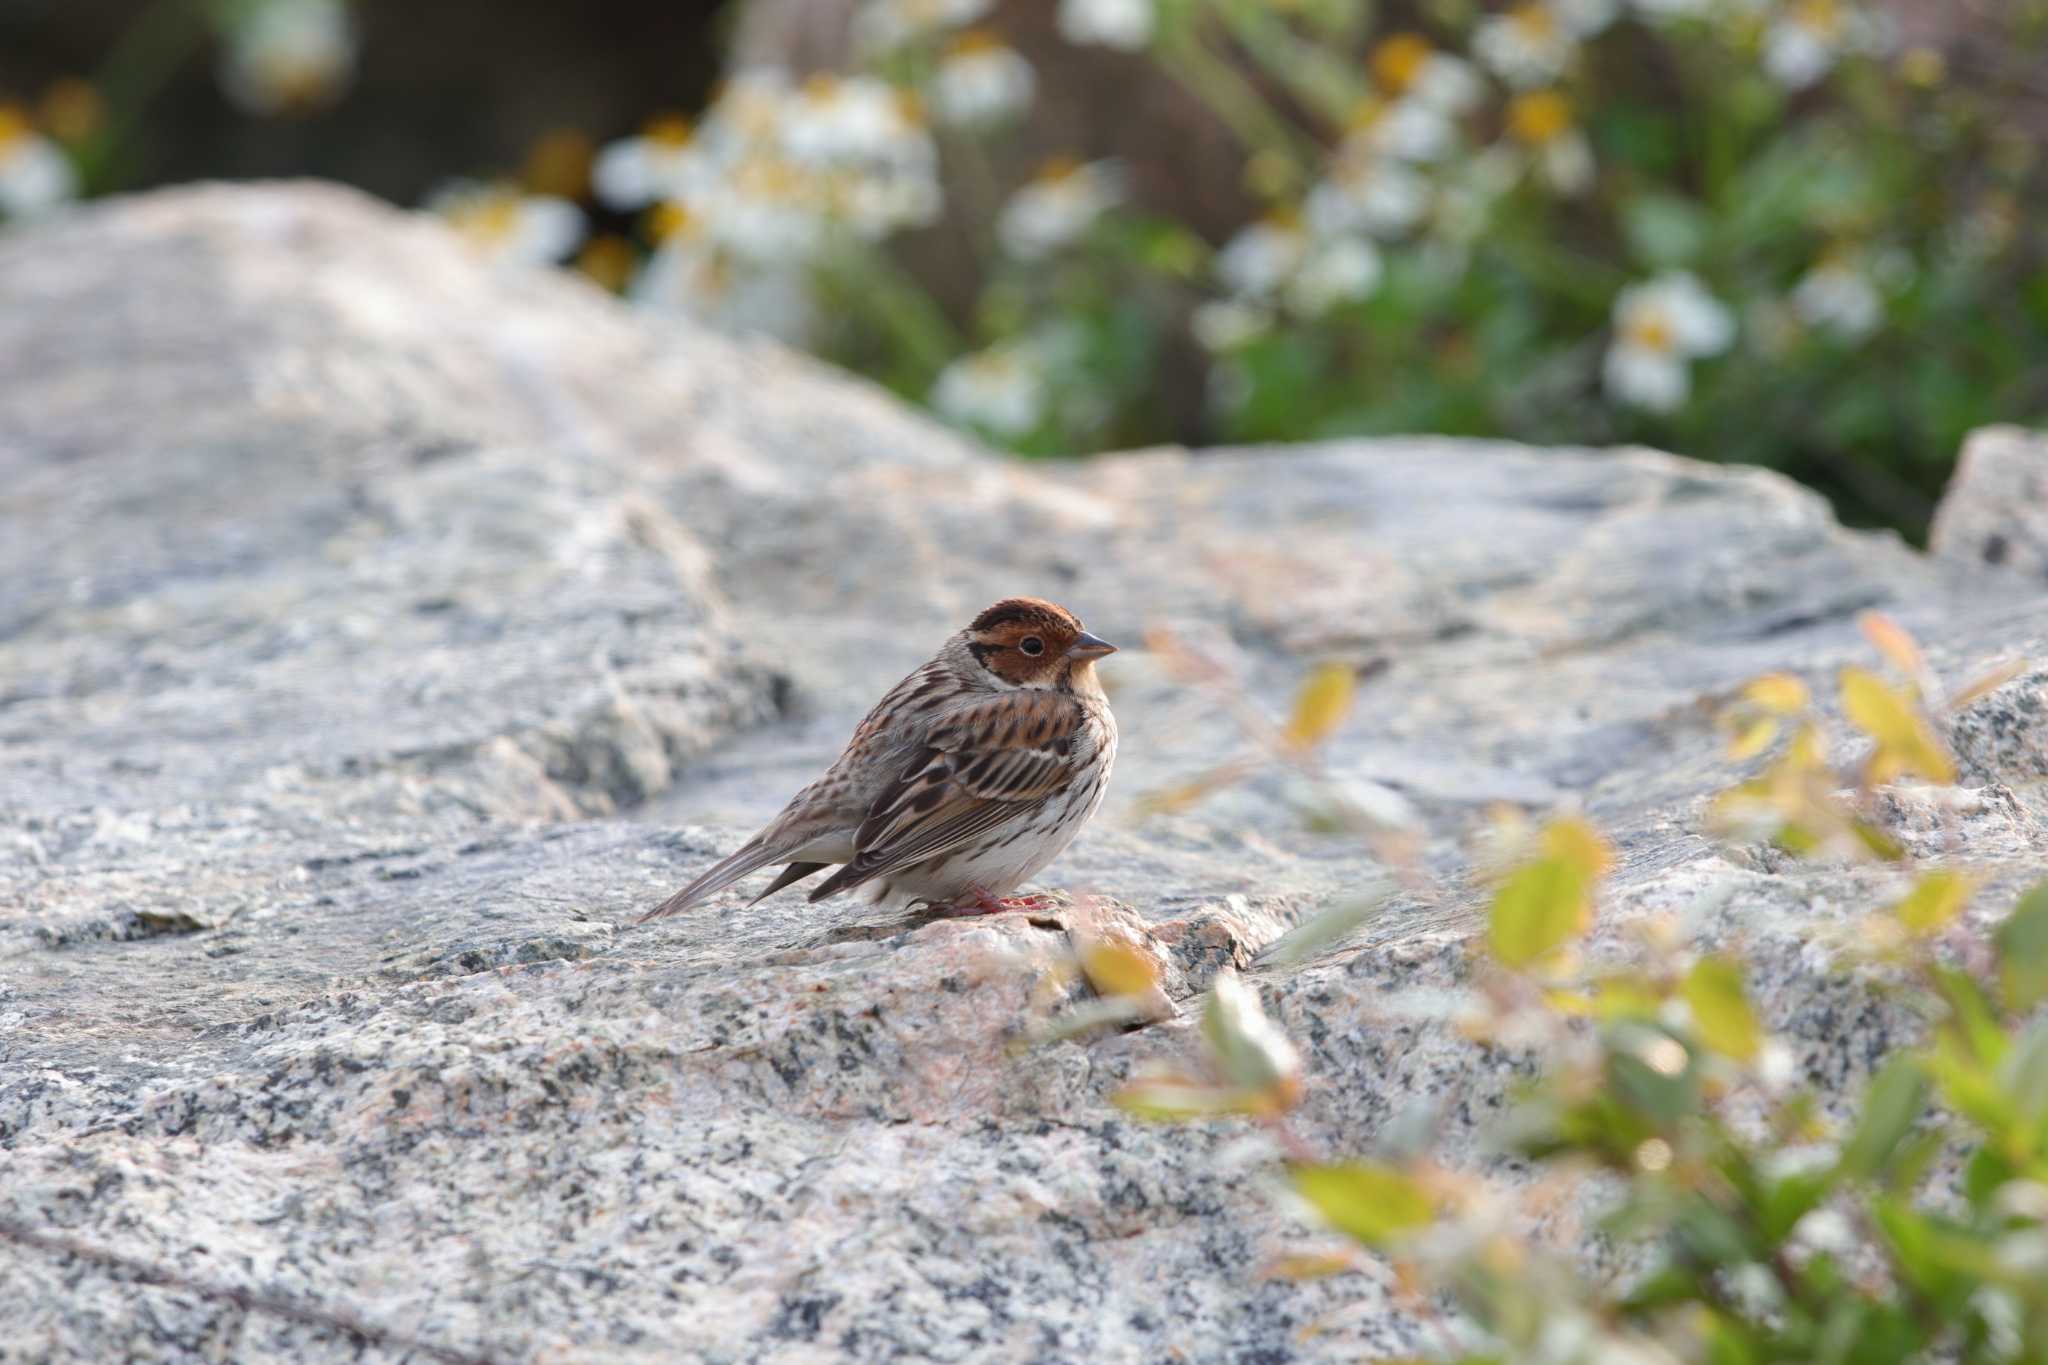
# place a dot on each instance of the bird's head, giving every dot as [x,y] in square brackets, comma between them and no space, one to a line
[1029,642]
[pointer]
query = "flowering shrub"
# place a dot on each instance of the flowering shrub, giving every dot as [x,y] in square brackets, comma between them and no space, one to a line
[1762,1229]
[1752,229]
[1760,230]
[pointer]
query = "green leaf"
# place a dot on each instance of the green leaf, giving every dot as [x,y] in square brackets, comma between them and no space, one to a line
[1935,899]
[1669,1286]
[1368,1202]
[1665,231]
[1712,1237]
[2023,951]
[2023,1074]
[1986,1172]
[1894,1102]
[1790,1200]
[1915,1245]
[1972,1018]
[1721,1011]
[1662,1096]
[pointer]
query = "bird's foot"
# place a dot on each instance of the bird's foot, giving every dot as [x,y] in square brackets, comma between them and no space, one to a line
[980,902]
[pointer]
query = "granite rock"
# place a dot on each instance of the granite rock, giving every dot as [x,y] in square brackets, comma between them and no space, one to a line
[380,635]
[1996,508]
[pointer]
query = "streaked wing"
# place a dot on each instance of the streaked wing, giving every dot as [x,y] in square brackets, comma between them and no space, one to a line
[980,765]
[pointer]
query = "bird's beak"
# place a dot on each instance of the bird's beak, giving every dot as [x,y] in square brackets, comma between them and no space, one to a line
[1089,647]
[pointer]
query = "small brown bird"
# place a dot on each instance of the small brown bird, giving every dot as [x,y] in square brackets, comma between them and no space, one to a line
[972,773]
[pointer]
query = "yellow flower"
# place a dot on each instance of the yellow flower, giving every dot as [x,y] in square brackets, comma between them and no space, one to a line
[1539,117]
[1542,120]
[1398,60]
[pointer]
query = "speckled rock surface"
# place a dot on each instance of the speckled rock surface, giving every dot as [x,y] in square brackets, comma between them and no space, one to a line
[378,637]
[1995,510]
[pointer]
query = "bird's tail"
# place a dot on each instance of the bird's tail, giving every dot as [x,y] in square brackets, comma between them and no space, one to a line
[751,856]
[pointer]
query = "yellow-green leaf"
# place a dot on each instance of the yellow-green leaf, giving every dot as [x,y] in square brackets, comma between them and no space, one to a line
[1892,641]
[1538,909]
[1321,705]
[1312,935]
[1935,899]
[1249,1050]
[1625,995]
[1366,1201]
[1752,739]
[1574,841]
[1987,684]
[1119,969]
[1780,693]
[1172,1101]
[1906,744]
[1721,1011]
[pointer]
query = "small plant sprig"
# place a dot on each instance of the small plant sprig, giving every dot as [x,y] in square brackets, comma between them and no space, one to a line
[1913,1228]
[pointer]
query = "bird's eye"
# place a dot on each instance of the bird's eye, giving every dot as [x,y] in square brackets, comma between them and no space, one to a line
[1031,644]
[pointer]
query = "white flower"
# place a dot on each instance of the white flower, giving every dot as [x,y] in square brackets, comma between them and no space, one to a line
[1528,46]
[1659,328]
[1808,37]
[1058,207]
[1839,296]
[1409,129]
[1566,163]
[1366,192]
[773,172]
[507,226]
[1409,65]
[1226,324]
[1001,390]
[288,54]
[1261,258]
[692,278]
[35,175]
[763,209]
[884,25]
[838,119]
[1335,272]
[663,162]
[1542,121]
[981,80]
[1122,24]
[874,206]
